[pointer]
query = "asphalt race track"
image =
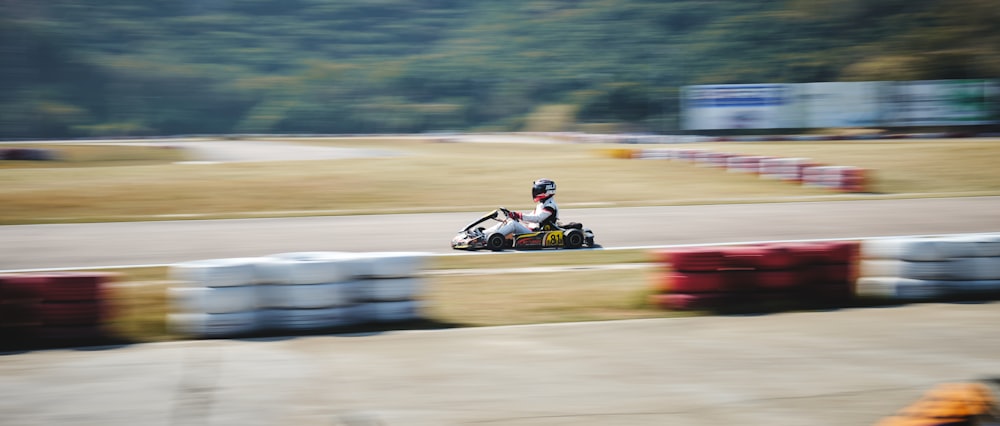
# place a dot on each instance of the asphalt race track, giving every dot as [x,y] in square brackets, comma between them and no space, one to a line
[837,368]
[165,242]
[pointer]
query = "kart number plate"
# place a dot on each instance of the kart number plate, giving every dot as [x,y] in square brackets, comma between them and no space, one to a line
[554,239]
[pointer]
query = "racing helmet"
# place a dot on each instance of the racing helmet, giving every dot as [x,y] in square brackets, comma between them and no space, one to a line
[543,189]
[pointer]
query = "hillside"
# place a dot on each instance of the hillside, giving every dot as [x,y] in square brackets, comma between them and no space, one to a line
[119,67]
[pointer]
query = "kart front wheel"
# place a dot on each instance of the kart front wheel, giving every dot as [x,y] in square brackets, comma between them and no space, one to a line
[495,242]
[574,239]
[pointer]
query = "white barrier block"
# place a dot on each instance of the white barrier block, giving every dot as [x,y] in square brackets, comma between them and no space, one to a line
[212,300]
[307,319]
[297,268]
[918,248]
[217,272]
[898,288]
[982,245]
[393,311]
[306,296]
[978,268]
[972,287]
[941,270]
[391,264]
[213,325]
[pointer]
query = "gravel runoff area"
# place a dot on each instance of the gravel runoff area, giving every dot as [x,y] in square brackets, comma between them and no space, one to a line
[835,368]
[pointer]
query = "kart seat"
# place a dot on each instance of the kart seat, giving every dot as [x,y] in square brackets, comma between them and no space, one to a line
[572,225]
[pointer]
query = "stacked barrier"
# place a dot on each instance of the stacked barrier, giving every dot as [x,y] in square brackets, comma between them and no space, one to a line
[745,163]
[754,277]
[292,292]
[54,308]
[797,170]
[840,178]
[712,159]
[930,268]
[786,169]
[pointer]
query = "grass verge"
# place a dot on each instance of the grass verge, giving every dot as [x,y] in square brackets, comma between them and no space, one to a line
[433,176]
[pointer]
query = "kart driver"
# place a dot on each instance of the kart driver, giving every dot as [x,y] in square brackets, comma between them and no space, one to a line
[546,212]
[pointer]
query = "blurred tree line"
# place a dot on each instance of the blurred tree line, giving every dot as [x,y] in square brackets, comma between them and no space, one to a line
[72,68]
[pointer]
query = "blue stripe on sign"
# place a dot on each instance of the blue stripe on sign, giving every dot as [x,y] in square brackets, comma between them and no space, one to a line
[736,96]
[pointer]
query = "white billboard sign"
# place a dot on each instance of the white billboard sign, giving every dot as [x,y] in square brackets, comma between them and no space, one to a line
[840,104]
[737,106]
[940,103]
[834,105]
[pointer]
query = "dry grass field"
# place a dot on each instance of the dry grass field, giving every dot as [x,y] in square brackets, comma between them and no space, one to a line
[143,183]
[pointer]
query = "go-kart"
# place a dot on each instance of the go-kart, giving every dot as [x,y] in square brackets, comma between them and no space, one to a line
[474,237]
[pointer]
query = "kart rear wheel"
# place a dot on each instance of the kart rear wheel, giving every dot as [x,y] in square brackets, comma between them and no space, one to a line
[574,239]
[495,242]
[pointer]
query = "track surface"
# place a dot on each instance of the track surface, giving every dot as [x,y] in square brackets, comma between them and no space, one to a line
[846,367]
[145,243]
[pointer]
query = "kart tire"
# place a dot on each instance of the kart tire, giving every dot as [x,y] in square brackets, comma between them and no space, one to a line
[589,241]
[495,242]
[574,239]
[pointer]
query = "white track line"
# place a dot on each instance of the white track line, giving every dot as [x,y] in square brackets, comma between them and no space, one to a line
[653,247]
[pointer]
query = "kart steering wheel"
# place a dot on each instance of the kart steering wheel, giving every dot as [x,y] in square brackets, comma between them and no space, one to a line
[506,212]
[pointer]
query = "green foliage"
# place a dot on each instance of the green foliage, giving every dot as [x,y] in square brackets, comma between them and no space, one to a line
[119,67]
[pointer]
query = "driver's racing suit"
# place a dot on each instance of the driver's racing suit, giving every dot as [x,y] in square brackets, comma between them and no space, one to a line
[546,213]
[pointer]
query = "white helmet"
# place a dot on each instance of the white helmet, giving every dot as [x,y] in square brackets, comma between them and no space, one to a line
[543,189]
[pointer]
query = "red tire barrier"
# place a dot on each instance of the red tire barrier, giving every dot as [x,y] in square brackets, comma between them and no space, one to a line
[779,257]
[778,280]
[19,314]
[834,273]
[697,301]
[694,282]
[744,256]
[72,335]
[841,251]
[18,337]
[745,163]
[712,159]
[39,310]
[693,260]
[68,287]
[72,313]
[21,288]
[840,178]
[786,169]
[827,295]
[815,274]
